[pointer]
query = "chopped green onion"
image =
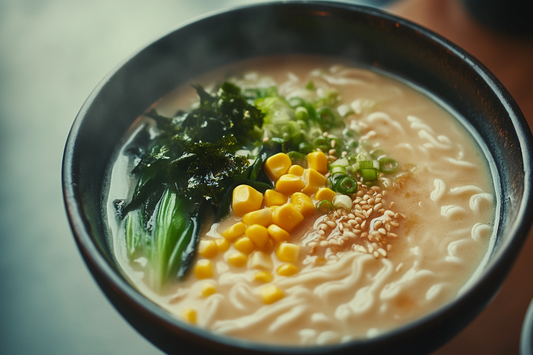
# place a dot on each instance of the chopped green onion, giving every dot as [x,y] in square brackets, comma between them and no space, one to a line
[301,113]
[343,201]
[388,165]
[333,179]
[321,143]
[337,169]
[310,85]
[369,174]
[346,185]
[361,157]
[324,207]
[366,164]
[305,148]
[340,162]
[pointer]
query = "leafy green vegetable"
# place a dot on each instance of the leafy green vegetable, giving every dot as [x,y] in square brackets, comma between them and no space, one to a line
[177,231]
[191,165]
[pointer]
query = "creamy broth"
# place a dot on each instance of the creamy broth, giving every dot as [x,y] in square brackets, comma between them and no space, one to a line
[442,216]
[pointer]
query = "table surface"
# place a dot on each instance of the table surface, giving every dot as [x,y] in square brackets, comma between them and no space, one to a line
[52,54]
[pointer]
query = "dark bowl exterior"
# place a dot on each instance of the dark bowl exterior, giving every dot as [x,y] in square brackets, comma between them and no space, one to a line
[363,35]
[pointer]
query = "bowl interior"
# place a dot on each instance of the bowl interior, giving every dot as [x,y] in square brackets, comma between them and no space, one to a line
[362,35]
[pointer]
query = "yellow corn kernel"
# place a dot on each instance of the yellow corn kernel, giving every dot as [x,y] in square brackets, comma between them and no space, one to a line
[303,203]
[274,198]
[288,252]
[246,199]
[203,269]
[287,217]
[325,194]
[277,233]
[222,244]
[296,170]
[289,184]
[244,245]
[235,231]
[287,270]
[262,217]
[260,260]
[277,165]
[273,208]
[313,180]
[263,276]
[207,248]
[189,314]
[318,161]
[268,247]
[258,235]
[271,294]
[208,289]
[238,259]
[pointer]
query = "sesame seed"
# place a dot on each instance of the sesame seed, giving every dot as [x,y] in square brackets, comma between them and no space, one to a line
[377,207]
[370,249]
[341,226]
[389,247]
[381,210]
[349,234]
[378,224]
[324,243]
[322,226]
[371,201]
[332,151]
[351,216]
[333,142]
[389,213]
[382,252]
[265,139]
[376,254]
[376,188]
[325,134]
[321,232]
[392,235]
[382,231]
[331,224]
[394,224]
[344,153]
[399,267]
[391,204]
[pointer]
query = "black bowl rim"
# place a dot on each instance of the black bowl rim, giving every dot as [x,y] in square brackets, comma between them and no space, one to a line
[93,255]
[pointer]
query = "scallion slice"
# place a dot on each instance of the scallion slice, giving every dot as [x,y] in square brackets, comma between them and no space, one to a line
[324,207]
[369,174]
[388,165]
[346,186]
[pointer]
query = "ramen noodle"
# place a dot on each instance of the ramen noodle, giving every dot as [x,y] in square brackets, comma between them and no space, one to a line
[404,246]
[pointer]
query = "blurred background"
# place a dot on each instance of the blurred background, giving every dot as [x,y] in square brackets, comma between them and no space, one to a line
[52,54]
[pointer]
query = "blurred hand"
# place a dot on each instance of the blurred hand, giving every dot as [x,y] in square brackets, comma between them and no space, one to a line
[509,58]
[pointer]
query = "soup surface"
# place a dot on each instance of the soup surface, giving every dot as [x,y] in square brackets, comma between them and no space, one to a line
[408,242]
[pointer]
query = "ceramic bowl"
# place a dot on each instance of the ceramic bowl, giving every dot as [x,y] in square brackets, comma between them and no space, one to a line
[363,35]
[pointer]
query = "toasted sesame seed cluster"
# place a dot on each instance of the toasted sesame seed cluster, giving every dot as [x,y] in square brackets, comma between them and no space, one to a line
[367,228]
